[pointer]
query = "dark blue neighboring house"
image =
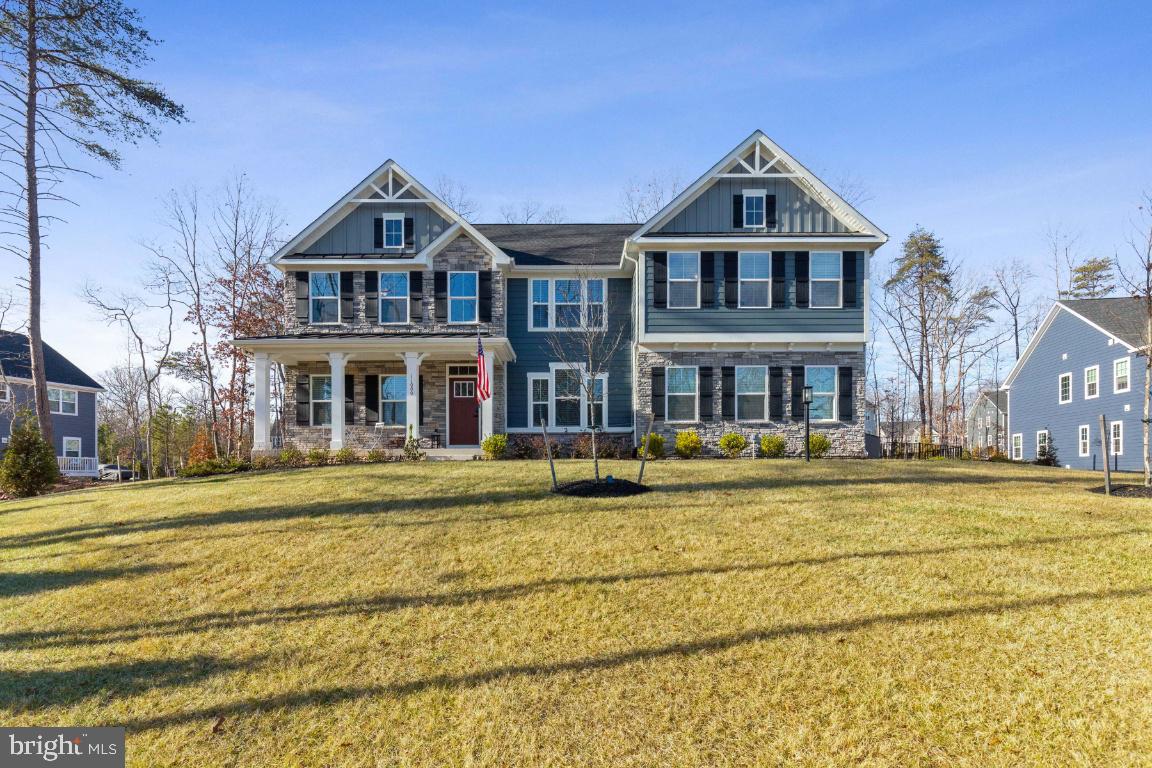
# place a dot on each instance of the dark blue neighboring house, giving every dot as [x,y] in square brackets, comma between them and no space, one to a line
[1083,362]
[71,398]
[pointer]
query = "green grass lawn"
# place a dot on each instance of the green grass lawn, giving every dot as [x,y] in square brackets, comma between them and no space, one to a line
[744,613]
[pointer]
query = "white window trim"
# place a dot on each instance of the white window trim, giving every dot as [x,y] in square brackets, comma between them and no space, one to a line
[671,280]
[64,446]
[835,392]
[1060,388]
[1018,446]
[1084,440]
[532,378]
[839,281]
[1047,440]
[339,319]
[752,194]
[667,403]
[580,369]
[551,304]
[60,399]
[737,393]
[532,304]
[392,217]
[380,395]
[1115,390]
[475,297]
[407,315]
[5,391]
[1114,436]
[312,400]
[1086,370]
[740,280]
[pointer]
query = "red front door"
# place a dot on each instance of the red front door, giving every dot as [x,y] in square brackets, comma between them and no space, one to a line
[463,412]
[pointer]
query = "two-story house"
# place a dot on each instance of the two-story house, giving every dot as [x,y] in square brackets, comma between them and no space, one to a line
[71,401]
[744,289]
[987,422]
[1082,363]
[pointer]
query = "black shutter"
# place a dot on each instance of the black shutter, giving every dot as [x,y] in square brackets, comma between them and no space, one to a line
[409,232]
[845,395]
[416,296]
[731,280]
[704,384]
[707,280]
[372,296]
[440,289]
[302,315]
[347,311]
[371,399]
[378,232]
[728,393]
[349,399]
[802,279]
[660,280]
[485,296]
[738,211]
[798,393]
[303,400]
[850,262]
[658,392]
[776,393]
[770,210]
[779,281]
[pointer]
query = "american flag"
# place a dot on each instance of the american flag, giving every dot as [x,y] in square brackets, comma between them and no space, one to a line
[483,386]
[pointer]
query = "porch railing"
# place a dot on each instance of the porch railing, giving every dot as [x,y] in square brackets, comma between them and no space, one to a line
[77,464]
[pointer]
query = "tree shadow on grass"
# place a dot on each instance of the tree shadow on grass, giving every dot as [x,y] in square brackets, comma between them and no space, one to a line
[580,666]
[31,582]
[799,481]
[386,603]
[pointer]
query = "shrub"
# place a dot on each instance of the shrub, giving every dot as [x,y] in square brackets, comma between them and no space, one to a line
[412,450]
[495,447]
[202,449]
[377,456]
[318,457]
[29,466]
[345,456]
[214,467]
[1047,457]
[688,444]
[612,448]
[733,444]
[653,445]
[290,457]
[532,447]
[819,445]
[264,462]
[773,446]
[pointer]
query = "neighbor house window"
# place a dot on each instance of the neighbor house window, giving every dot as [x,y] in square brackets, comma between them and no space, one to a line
[394,400]
[680,393]
[568,397]
[753,208]
[1121,379]
[1065,388]
[538,399]
[1085,440]
[822,379]
[1041,443]
[5,394]
[321,400]
[683,280]
[540,307]
[566,294]
[1091,382]
[1116,433]
[750,392]
[1017,447]
[62,401]
[324,295]
[755,280]
[566,304]
[72,447]
[393,297]
[463,297]
[825,279]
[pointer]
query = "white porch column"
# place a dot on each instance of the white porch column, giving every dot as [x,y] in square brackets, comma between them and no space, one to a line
[260,440]
[336,360]
[412,407]
[486,408]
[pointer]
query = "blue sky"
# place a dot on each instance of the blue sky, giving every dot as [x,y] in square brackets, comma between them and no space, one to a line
[986,122]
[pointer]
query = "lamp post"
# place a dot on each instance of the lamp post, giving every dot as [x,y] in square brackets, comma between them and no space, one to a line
[807,424]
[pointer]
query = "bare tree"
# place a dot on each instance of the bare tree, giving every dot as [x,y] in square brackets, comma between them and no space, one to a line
[960,342]
[456,196]
[852,189]
[121,406]
[1063,255]
[1137,282]
[1010,295]
[531,212]
[643,199]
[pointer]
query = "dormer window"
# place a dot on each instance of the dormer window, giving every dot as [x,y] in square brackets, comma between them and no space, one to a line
[753,208]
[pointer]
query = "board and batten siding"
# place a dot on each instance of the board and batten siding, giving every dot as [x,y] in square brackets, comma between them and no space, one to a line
[533,354]
[1034,398]
[82,425]
[354,233]
[796,211]
[721,319]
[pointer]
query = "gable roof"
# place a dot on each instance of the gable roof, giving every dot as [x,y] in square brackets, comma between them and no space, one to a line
[997,397]
[16,362]
[548,245]
[778,164]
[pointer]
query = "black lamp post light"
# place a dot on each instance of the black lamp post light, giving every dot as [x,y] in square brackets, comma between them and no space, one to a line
[807,423]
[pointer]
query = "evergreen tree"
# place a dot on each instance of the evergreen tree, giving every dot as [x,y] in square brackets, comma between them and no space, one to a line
[29,465]
[1091,279]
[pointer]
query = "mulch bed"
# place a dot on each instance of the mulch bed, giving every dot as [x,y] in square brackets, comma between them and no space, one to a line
[606,487]
[1127,491]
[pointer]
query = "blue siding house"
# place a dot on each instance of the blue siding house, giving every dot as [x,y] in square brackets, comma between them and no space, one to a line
[1082,363]
[71,400]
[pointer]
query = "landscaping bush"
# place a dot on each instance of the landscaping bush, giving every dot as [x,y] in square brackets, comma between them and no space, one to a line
[214,467]
[819,445]
[345,456]
[733,444]
[653,445]
[412,450]
[264,462]
[1047,457]
[606,447]
[532,447]
[688,444]
[495,447]
[29,466]
[318,457]
[377,456]
[773,446]
[291,457]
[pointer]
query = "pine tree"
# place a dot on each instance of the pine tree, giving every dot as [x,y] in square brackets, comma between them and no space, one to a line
[29,466]
[1091,279]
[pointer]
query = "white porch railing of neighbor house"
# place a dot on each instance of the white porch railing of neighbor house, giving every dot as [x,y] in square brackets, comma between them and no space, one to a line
[77,464]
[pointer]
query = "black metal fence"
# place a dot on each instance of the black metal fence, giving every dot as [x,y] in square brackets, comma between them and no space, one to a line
[922,451]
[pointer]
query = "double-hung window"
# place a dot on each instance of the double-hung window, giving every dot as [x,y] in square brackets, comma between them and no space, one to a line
[1116,435]
[826,271]
[680,393]
[822,379]
[538,399]
[751,389]
[1065,388]
[540,307]
[596,406]
[394,400]
[1017,446]
[568,396]
[1085,435]
[566,294]
[393,230]
[62,401]
[567,304]
[5,394]
[755,280]
[1041,443]
[1091,382]
[393,297]
[594,314]
[753,208]
[683,280]
[321,391]
[72,447]
[324,296]
[1121,375]
[463,297]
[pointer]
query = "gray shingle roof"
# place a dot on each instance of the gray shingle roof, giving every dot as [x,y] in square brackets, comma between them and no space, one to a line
[1122,317]
[544,245]
[998,397]
[16,361]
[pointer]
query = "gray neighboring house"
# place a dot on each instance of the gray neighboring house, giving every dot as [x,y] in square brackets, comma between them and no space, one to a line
[71,397]
[987,422]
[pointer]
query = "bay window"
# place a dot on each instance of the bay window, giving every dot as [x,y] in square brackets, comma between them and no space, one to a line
[751,389]
[683,280]
[755,280]
[393,297]
[324,296]
[680,393]
[822,379]
[394,400]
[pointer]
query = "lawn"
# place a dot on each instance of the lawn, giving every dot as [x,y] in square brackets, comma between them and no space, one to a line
[744,613]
